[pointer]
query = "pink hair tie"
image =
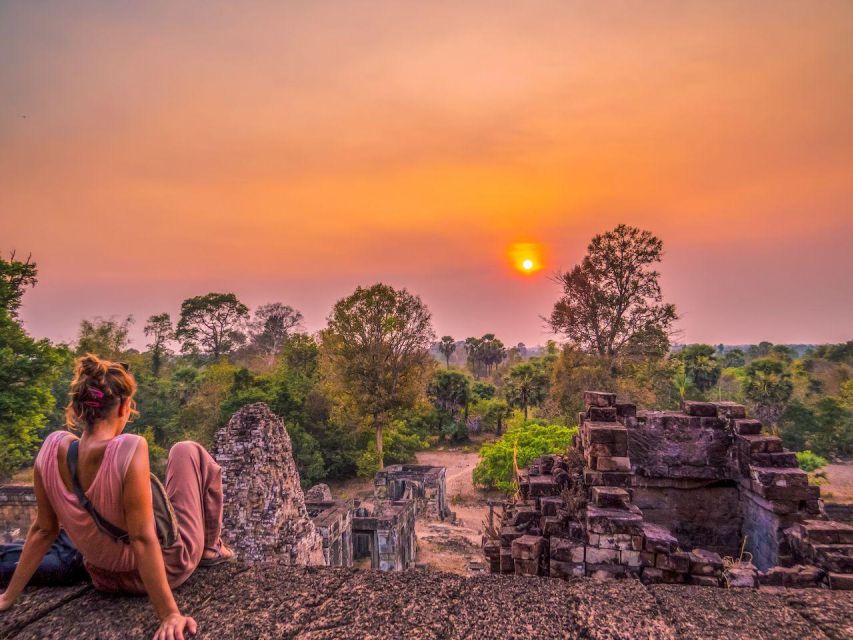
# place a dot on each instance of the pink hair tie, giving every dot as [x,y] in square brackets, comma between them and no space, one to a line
[96,394]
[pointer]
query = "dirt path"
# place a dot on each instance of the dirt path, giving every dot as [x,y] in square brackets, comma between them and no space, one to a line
[452,547]
[840,485]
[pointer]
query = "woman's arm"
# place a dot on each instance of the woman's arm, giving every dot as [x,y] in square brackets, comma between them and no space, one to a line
[139,514]
[40,537]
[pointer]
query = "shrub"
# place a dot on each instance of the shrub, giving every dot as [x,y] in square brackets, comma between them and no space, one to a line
[810,461]
[530,439]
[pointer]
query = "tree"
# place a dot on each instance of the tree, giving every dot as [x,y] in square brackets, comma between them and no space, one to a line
[446,347]
[159,329]
[377,347]
[450,392]
[212,324]
[767,384]
[107,338]
[701,366]
[527,384]
[734,358]
[271,326]
[484,353]
[27,370]
[614,293]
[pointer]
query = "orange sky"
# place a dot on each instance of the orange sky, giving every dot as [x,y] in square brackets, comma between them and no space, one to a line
[149,153]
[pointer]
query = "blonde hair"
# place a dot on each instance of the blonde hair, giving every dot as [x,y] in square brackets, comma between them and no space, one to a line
[98,387]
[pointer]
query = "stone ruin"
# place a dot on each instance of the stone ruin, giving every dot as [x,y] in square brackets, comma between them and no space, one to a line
[386,535]
[663,496]
[422,483]
[264,510]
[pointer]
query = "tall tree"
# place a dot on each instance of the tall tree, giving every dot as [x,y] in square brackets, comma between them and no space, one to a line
[768,385]
[446,347]
[701,366]
[484,353]
[271,325]
[212,324]
[450,392]
[527,384]
[377,346]
[27,369]
[106,337]
[159,328]
[614,293]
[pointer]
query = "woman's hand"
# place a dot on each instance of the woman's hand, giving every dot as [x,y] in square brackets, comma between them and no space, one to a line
[173,627]
[6,601]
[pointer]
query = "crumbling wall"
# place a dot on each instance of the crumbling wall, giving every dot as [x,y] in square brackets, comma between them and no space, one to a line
[264,510]
[660,495]
[17,511]
[423,484]
[387,534]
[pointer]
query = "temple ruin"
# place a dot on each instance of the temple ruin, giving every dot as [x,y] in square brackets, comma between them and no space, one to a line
[697,496]
[264,511]
[421,483]
[386,534]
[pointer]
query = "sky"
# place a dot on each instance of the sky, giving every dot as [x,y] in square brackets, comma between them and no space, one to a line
[290,151]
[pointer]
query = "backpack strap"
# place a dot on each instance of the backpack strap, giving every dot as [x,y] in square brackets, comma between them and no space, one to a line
[107,527]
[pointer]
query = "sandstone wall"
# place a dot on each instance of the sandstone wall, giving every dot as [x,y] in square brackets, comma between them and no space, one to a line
[17,511]
[264,514]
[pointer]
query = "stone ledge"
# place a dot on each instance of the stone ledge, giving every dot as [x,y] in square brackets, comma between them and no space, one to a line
[276,601]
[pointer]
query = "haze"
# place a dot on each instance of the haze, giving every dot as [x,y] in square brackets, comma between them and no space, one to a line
[150,152]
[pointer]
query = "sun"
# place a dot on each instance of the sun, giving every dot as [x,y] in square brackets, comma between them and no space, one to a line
[526,257]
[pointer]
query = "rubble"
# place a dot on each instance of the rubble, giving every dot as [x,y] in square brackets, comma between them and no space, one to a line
[699,496]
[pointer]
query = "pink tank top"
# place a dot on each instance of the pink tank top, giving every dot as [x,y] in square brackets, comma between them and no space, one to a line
[99,550]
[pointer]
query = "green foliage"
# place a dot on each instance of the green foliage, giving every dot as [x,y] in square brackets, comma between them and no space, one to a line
[492,413]
[483,390]
[449,391]
[701,366]
[767,384]
[159,329]
[106,338]
[809,461]
[211,324]
[530,439]
[526,384]
[613,296]
[376,352]
[27,370]
[447,347]
[400,445]
[484,354]
[826,427]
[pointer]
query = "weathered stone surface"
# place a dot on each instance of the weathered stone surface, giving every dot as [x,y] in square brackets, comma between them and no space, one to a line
[702,409]
[730,410]
[264,511]
[319,493]
[599,399]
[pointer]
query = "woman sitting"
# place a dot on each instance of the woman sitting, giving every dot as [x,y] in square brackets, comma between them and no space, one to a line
[114,473]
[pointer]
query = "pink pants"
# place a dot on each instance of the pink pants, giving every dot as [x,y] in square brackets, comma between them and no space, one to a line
[194,486]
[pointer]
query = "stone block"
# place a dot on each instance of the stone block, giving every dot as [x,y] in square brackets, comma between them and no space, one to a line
[705,563]
[730,410]
[607,521]
[799,576]
[658,539]
[602,414]
[507,565]
[609,449]
[610,497]
[528,547]
[626,410]
[603,433]
[741,576]
[549,505]
[595,555]
[699,409]
[508,534]
[621,541]
[760,444]
[651,575]
[678,561]
[607,478]
[630,558]
[747,427]
[603,463]
[837,558]
[599,399]
[783,459]
[825,531]
[526,567]
[840,581]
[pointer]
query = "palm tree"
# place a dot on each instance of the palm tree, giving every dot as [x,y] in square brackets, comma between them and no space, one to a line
[447,346]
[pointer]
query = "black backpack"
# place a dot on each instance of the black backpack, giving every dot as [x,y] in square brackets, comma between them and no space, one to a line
[164,514]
